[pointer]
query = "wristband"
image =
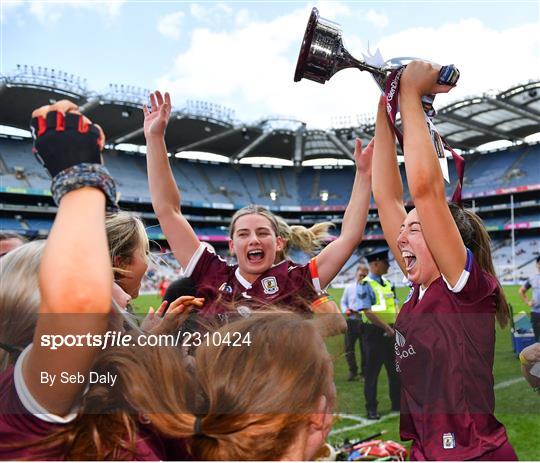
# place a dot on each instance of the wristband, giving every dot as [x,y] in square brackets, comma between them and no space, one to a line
[322,300]
[83,175]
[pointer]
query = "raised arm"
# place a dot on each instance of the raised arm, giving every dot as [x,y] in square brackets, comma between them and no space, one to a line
[75,275]
[424,175]
[387,185]
[163,189]
[333,257]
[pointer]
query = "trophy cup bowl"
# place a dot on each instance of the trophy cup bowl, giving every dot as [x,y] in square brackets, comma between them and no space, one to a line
[322,53]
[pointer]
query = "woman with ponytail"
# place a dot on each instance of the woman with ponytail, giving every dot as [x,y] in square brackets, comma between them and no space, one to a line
[445,332]
[297,237]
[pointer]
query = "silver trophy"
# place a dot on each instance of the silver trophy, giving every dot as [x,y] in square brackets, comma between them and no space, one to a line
[322,54]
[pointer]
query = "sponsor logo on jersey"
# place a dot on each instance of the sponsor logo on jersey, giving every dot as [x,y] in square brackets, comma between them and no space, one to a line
[402,350]
[448,440]
[225,288]
[270,285]
[400,339]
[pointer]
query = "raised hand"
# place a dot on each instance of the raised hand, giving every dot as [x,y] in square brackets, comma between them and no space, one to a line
[421,78]
[362,158]
[63,137]
[155,319]
[157,117]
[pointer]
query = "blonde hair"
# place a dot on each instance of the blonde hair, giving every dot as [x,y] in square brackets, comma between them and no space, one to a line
[254,209]
[309,240]
[125,234]
[19,297]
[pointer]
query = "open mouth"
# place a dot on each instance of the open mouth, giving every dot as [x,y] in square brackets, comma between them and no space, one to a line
[410,259]
[255,256]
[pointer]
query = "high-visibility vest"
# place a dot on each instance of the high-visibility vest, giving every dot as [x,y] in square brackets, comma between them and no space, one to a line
[385,304]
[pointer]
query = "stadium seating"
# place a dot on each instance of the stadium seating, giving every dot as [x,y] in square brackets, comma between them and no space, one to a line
[204,183]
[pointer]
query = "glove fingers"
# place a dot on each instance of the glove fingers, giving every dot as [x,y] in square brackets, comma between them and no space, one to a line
[37,126]
[41,111]
[55,120]
[64,106]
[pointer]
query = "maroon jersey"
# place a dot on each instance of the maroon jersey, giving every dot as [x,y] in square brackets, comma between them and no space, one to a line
[23,421]
[222,285]
[445,341]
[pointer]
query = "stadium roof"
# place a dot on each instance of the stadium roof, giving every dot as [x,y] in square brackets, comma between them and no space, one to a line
[199,126]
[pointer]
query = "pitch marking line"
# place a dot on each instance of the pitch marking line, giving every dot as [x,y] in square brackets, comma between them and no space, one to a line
[363,422]
[508,382]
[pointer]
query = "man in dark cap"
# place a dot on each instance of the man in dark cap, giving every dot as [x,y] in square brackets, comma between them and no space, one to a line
[378,301]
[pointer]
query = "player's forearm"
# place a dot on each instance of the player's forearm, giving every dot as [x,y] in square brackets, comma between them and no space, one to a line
[355,217]
[163,189]
[387,184]
[330,324]
[333,257]
[63,288]
[424,174]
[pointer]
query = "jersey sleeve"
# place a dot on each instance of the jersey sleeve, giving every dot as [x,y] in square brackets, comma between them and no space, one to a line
[527,285]
[30,404]
[473,284]
[202,264]
[304,280]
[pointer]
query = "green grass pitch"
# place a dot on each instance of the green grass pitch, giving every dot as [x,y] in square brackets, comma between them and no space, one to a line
[518,407]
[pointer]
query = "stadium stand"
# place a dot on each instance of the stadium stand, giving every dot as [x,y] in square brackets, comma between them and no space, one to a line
[301,194]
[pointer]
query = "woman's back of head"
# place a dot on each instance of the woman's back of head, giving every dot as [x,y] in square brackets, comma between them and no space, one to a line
[260,393]
[19,298]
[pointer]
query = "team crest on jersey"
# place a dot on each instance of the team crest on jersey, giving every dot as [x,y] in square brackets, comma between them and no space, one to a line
[448,440]
[270,285]
[225,288]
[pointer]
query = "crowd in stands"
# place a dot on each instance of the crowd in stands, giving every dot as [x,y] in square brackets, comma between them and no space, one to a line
[207,183]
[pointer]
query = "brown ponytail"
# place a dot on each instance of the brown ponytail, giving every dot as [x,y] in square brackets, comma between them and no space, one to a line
[476,238]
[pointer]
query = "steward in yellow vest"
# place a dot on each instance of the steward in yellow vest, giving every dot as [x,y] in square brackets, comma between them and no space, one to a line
[385,303]
[378,301]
